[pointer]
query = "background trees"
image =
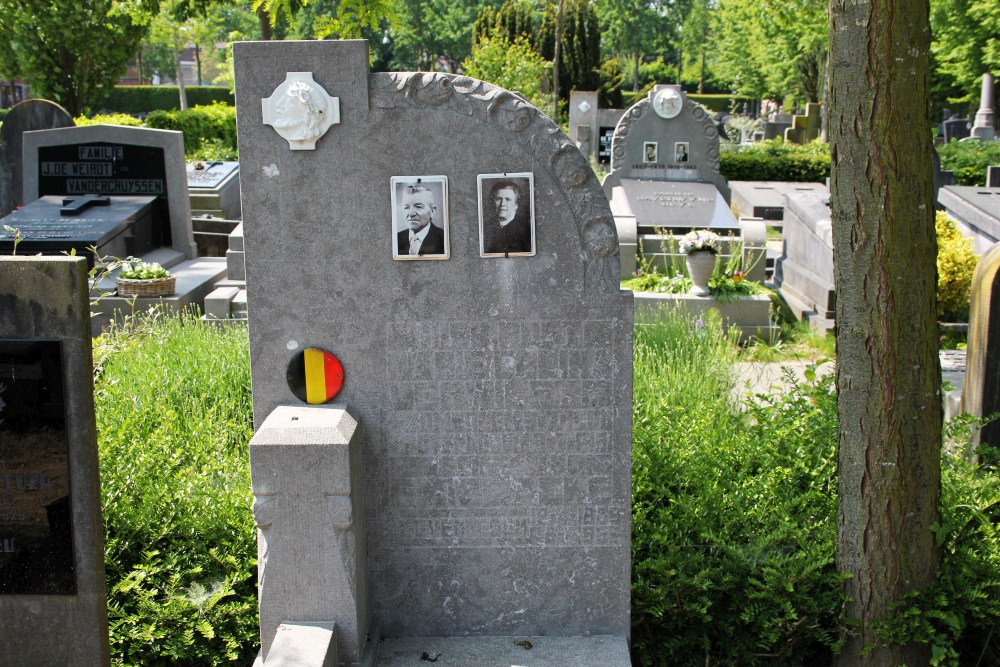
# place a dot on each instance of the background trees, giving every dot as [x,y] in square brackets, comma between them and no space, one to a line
[74,52]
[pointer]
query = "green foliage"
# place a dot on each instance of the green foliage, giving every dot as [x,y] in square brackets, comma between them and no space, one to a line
[513,65]
[144,99]
[133,269]
[720,103]
[969,160]
[513,19]
[775,160]
[201,124]
[353,18]
[611,78]
[580,52]
[960,613]
[108,119]
[426,32]
[956,262]
[71,52]
[172,397]
[734,514]
[966,43]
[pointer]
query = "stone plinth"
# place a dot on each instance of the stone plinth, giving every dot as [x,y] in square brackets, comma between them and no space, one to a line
[804,272]
[976,211]
[750,314]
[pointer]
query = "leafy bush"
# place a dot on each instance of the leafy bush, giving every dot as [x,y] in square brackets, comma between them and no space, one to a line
[144,99]
[956,262]
[172,396]
[960,613]
[201,125]
[775,160]
[734,514]
[137,270]
[108,119]
[514,65]
[969,160]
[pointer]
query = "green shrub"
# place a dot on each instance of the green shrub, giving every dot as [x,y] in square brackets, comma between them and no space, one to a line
[108,119]
[960,613]
[775,160]
[956,262]
[172,397]
[201,125]
[143,99]
[969,160]
[734,514]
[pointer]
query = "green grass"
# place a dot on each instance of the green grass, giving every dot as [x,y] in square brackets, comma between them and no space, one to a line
[172,397]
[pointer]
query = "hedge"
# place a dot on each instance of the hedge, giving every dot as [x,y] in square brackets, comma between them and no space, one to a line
[213,124]
[969,160]
[775,160]
[144,99]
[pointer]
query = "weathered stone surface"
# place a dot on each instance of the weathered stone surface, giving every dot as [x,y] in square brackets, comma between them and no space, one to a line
[804,272]
[23,117]
[495,393]
[766,199]
[46,299]
[504,652]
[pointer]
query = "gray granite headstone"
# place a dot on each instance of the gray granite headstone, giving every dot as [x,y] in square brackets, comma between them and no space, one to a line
[956,129]
[52,591]
[494,393]
[676,207]
[692,128]
[23,117]
[993,177]
[114,160]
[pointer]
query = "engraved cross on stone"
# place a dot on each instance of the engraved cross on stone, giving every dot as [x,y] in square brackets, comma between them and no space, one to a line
[74,205]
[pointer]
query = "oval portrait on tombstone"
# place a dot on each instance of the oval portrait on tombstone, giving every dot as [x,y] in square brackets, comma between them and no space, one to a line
[315,376]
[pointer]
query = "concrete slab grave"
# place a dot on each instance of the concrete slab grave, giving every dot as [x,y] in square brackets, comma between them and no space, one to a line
[51,533]
[766,199]
[488,397]
[23,117]
[214,189]
[804,272]
[976,210]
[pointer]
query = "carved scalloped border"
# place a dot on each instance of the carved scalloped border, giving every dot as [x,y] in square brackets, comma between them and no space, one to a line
[638,110]
[576,180]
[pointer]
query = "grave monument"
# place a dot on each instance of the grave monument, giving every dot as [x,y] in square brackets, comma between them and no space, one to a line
[52,591]
[23,117]
[981,387]
[469,488]
[976,211]
[130,187]
[983,127]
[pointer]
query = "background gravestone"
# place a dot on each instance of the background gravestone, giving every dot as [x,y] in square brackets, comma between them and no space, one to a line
[494,393]
[23,117]
[114,160]
[52,595]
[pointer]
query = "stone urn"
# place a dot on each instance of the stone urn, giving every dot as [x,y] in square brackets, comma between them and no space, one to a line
[700,265]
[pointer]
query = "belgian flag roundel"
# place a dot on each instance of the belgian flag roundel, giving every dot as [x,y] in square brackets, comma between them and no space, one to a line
[315,376]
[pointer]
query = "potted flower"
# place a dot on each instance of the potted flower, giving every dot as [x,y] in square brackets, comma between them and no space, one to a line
[701,248]
[138,278]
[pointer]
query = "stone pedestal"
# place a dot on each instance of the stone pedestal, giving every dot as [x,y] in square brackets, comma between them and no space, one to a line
[305,468]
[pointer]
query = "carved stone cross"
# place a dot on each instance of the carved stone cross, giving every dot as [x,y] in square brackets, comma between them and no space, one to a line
[74,205]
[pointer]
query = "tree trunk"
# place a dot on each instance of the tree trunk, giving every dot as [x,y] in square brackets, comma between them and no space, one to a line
[265,24]
[181,91]
[635,72]
[701,76]
[888,373]
[555,63]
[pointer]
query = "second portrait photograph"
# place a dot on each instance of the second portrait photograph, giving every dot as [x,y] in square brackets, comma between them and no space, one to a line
[507,214]
[419,217]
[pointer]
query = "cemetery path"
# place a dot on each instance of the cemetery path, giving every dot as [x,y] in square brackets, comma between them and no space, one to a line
[763,377]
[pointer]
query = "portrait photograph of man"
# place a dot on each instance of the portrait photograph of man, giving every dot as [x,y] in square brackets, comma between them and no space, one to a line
[506,214]
[681,151]
[420,217]
[649,152]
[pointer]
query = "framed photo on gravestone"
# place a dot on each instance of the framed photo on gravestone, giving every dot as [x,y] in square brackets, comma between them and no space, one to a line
[507,214]
[649,152]
[681,151]
[419,217]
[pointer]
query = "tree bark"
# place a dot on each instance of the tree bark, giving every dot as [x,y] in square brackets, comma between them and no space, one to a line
[888,373]
[264,19]
[555,63]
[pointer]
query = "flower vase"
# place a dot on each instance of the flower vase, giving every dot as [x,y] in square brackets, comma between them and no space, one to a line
[700,265]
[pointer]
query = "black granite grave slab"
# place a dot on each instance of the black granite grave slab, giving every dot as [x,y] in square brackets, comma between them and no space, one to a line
[121,228]
[36,536]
